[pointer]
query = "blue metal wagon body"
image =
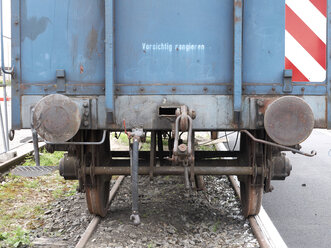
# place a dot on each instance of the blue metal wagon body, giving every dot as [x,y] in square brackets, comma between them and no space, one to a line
[130,57]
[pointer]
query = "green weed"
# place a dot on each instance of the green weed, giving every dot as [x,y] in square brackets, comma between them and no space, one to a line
[216,226]
[46,159]
[15,238]
[19,205]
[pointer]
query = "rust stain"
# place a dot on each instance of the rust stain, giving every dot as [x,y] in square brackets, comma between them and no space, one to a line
[237,19]
[81,69]
[92,40]
[238,3]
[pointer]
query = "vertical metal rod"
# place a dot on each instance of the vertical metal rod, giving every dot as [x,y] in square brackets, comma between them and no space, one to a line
[4,79]
[159,144]
[152,154]
[187,181]
[237,57]
[134,179]
[35,147]
[16,63]
[2,53]
[192,162]
[3,132]
[6,110]
[109,63]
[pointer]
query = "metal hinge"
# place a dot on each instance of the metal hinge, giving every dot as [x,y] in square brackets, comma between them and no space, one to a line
[287,81]
[60,81]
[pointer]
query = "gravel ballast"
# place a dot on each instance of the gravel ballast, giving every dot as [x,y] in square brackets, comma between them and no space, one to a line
[171,216]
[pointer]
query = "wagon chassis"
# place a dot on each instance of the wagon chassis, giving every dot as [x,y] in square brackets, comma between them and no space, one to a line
[93,163]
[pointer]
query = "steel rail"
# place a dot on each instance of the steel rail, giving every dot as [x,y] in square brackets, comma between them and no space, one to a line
[96,220]
[252,221]
[6,166]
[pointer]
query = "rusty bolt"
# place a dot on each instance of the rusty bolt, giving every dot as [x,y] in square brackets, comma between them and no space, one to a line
[194,114]
[173,89]
[85,104]
[302,89]
[117,89]
[141,89]
[243,88]
[273,89]
[45,89]
[229,89]
[182,148]
[85,123]
[260,102]
[16,22]
[205,89]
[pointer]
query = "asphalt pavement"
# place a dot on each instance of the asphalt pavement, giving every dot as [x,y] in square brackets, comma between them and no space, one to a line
[300,206]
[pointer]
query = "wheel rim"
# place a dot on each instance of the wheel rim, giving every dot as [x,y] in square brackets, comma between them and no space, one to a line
[97,197]
[97,193]
[251,193]
[251,197]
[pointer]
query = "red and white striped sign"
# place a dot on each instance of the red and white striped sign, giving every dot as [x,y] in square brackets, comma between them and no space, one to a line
[2,99]
[305,39]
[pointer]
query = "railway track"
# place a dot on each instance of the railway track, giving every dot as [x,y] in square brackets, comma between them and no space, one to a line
[96,224]
[264,242]
[96,220]
[260,225]
[255,226]
[27,150]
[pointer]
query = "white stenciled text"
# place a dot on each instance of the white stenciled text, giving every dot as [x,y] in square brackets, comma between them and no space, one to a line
[169,47]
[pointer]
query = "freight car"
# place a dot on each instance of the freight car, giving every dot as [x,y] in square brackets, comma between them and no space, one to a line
[83,69]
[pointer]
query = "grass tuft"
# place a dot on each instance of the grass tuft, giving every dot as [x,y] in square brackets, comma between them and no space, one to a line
[25,200]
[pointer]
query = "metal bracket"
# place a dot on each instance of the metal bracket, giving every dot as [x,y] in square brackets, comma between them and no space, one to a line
[60,81]
[285,148]
[287,81]
[183,154]
[81,143]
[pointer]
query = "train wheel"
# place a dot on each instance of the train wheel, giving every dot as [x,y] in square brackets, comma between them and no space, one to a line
[97,196]
[251,196]
[97,186]
[251,189]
